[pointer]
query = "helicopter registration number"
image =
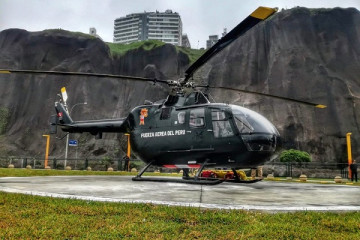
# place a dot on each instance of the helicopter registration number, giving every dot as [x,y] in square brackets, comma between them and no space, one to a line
[163,133]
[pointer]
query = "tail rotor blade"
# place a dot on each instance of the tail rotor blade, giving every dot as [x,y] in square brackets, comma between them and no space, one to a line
[64,94]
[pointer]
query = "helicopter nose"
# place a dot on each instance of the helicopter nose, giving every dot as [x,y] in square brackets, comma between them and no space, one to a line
[279,143]
[262,142]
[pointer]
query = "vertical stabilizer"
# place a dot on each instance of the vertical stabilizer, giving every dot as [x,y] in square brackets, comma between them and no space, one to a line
[61,113]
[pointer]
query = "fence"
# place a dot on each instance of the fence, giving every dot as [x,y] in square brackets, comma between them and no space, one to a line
[279,169]
[75,164]
[311,169]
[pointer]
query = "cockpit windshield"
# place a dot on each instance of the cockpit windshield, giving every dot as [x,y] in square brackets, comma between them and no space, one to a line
[248,121]
[256,131]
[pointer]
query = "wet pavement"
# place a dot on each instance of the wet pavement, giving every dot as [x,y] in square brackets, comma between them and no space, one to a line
[264,195]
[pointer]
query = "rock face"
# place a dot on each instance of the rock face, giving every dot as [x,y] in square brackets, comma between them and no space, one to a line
[28,100]
[306,54]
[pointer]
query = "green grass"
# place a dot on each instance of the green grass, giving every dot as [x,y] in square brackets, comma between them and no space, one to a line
[120,48]
[18,172]
[74,34]
[34,217]
[193,54]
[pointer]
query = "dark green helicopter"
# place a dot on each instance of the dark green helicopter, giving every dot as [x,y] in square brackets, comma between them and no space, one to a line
[186,130]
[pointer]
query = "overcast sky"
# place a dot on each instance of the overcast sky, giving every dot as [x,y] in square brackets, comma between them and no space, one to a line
[200,18]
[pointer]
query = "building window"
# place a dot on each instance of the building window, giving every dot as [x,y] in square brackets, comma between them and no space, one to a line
[156,23]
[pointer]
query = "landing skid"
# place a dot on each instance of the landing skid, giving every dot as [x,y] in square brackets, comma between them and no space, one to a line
[203,181]
[243,181]
[192,180]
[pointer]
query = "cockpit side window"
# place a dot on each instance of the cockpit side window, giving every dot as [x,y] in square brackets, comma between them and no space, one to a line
[217,115]
[221,126]
[197,118]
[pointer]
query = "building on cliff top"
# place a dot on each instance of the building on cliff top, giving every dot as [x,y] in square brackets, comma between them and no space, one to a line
[185,41]
[211,41]
[164,26]
[214,39]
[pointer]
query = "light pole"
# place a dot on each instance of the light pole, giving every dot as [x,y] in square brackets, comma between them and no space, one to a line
[348,143]
[67,136]
[47,150]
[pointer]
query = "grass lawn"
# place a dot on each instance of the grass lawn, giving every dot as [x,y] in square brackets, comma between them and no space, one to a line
[21,172]
[34,217]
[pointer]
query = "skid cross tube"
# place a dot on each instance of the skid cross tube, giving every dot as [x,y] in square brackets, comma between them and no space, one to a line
[201,169]
[142,171]
[236,176]
[185,173]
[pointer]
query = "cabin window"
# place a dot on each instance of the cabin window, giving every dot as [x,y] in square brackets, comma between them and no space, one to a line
[181,117]
[221,126]
[197,118]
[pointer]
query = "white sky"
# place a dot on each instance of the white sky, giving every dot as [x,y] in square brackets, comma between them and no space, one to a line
[200,18]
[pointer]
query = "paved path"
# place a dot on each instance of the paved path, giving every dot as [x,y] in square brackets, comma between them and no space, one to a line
[265,195]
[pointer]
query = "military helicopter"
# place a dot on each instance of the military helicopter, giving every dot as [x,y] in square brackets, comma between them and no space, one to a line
[186,130]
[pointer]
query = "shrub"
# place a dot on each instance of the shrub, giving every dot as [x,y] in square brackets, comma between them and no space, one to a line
[293,155]
[106,162]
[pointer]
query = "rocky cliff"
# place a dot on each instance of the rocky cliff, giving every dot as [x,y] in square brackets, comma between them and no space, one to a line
[26,101]
[307,54]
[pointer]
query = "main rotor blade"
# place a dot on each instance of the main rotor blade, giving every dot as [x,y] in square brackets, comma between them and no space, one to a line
[254,18]
[83,74]
[269,95]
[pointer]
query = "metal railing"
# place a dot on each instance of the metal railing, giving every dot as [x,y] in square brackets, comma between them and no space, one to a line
[279,169]
[310,169]
[101,164]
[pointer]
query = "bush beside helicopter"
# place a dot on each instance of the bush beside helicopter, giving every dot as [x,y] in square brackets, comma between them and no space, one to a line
[186,130]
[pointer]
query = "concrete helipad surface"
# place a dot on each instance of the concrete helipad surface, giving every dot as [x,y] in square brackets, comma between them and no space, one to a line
[265,195]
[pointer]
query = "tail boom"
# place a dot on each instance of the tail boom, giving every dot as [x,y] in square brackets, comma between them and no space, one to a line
[94,127]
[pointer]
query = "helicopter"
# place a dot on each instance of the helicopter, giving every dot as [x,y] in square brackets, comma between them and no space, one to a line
[186,130]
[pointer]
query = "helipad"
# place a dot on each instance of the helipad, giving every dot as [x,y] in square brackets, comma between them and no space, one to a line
[265,195]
